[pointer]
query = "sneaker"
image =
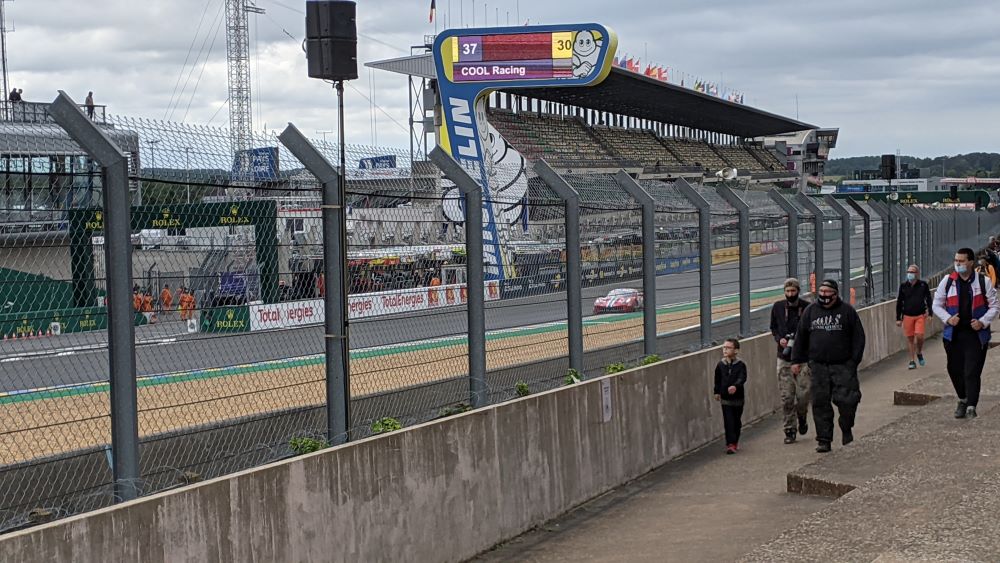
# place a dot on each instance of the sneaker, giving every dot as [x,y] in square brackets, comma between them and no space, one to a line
[960,409]
[803,425]
[920,360]
[790,437]
[823,447]
[730,449]
[971,412]
[912,365]
[848,437]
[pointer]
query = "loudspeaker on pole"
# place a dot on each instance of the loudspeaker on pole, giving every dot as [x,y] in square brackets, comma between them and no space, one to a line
[332,39]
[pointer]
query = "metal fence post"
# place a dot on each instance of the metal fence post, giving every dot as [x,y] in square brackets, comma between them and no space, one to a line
[744,227]
[476,307]
[845,241]
[793,230]
[118,258]
[648,258]
[574,277]
[704,258]
[336,324]
[907,238]
[867,220]
[820,235]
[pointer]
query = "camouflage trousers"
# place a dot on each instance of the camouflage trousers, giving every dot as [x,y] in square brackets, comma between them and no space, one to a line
[794,394]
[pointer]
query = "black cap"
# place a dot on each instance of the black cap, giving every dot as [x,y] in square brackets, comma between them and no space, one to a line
[832,284]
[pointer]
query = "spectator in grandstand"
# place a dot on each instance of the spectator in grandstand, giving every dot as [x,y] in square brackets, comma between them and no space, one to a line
[966,302]
[136,299]
[89,104]
[794,389]
[913,306]
[16,95]
[730,377]
[831,339]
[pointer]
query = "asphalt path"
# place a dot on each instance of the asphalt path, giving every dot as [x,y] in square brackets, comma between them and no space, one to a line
[67,361]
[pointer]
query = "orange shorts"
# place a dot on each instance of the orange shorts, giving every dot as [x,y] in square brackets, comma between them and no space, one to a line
[914,325]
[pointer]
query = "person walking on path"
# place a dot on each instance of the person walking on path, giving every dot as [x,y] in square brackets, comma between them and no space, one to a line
[913,306]
[730,377]
[966,302]
[794,389]
[831,339]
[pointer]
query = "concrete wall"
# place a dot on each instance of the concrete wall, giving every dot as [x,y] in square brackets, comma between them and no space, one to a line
[441,491]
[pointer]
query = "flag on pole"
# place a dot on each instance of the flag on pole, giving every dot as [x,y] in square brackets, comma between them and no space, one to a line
[433,11]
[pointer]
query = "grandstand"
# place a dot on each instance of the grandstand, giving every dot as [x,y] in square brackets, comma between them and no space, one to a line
[650,128]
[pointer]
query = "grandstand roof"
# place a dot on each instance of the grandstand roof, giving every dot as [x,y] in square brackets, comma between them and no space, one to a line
[635,95]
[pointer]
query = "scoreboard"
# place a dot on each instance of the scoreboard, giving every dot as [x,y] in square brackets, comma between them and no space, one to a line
[523,56]
[471,63]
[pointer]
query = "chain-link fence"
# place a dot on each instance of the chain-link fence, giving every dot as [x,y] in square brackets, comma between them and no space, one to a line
[229,289]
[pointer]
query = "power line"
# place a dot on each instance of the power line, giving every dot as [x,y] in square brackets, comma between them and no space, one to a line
[194,39]
[194,91]
[378,107]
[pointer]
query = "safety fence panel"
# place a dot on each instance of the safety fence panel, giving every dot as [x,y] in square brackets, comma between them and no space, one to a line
[229,361]
[725,260]
[526,322]
[54,405]
[611,255]
[677,268]
[768,255]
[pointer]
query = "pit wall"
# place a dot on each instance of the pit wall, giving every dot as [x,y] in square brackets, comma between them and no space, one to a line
[441,491]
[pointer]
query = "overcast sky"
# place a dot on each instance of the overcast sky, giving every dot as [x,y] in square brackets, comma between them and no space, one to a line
[920,76]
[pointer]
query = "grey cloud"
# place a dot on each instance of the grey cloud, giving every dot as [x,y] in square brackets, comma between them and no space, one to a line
[919,75]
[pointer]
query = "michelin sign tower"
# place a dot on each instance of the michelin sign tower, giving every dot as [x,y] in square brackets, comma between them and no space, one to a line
[472,63]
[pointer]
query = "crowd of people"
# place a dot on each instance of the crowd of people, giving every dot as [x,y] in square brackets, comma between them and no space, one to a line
[144,302]
[820,346]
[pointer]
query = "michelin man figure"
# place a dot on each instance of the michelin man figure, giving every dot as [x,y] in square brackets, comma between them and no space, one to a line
[586,50]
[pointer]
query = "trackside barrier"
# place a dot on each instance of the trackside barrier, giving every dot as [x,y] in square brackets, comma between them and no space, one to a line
[525,462]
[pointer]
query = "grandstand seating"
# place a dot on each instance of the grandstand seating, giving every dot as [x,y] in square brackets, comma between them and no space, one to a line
[740,158]
[637,144]
[697,153]
[569,141]
[557,139]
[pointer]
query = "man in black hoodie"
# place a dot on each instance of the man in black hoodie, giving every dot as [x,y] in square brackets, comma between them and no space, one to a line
[831,339]
[794,389]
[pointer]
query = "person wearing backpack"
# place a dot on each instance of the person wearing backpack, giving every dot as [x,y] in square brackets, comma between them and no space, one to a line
[966,302]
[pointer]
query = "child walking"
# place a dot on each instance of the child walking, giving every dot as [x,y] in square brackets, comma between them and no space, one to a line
[730,376]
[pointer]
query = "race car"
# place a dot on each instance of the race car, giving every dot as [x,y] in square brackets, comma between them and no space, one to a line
[623,300]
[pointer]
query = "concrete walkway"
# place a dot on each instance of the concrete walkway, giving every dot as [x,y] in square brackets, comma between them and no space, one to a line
[708,506]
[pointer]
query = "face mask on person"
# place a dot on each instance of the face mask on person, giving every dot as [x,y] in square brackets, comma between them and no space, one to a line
[961,268]
[792,298]
[910,276]
[824,299]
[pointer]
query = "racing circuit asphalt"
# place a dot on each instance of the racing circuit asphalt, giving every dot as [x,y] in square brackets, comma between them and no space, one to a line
[82,357]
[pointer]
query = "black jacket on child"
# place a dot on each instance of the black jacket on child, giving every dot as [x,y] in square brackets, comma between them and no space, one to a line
[730,374]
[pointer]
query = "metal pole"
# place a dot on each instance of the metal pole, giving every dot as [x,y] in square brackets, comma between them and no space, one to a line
[845,242]
[744,226]
[474,252]
[187,171]
[704,258]
[118,259]
[336,323]
[793,230]
[645,200]
[820,234]
[867,220]
[574,277]
[882,209]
